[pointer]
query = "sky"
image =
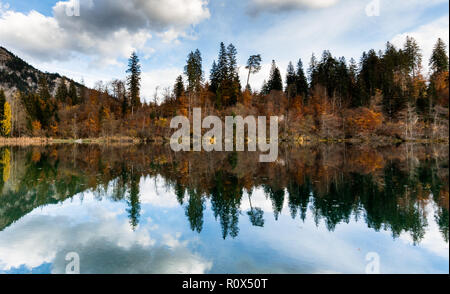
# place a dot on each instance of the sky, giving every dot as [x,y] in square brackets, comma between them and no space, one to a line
[91,40]
[98,230]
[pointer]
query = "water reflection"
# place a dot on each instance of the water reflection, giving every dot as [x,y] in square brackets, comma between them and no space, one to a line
[392,189]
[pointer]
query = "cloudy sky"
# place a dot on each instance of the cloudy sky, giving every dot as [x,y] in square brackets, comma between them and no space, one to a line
[95,45]
[99,231]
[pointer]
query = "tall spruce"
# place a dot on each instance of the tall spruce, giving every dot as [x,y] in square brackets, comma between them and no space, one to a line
[61,91]
[275,82]
[178,88]
[291,81]
[73,94]
[439,58]
[2,104]
[134,80]
[302,82]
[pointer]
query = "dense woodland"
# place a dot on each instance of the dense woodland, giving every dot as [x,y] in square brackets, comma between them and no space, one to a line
[386,95]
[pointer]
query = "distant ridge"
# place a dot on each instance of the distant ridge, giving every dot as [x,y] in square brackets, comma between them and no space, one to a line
[18,75]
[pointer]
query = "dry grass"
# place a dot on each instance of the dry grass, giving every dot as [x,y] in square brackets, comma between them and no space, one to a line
[25,141]
[41,141]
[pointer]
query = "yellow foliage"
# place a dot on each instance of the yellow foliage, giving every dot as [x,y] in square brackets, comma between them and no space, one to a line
[6,162]
[6,123]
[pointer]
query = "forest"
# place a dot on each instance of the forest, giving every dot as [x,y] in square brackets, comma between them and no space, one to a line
[385,96]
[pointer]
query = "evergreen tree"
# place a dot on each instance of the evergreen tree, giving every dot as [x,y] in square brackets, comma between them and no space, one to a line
[73,94]
[233,80]
[179,87]
[301,83]
[312,70]
[275,82]
[253,66]
[61,91]
[265,88]
[194,72]
[2,104]
[439,58]
[214,78]
[413,56]
[134,80]
[222,64]
[43,91]
[291,79]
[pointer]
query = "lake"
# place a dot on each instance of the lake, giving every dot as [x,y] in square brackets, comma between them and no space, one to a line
[331,208]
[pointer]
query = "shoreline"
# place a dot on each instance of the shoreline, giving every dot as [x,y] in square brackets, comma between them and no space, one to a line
[42,141]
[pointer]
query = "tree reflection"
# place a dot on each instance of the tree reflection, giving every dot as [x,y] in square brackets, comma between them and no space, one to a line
[385,188]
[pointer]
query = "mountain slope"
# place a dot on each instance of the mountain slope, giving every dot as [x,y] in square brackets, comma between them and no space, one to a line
[18,75]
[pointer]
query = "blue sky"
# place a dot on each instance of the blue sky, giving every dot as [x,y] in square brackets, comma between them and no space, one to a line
[94,45]
[99,231]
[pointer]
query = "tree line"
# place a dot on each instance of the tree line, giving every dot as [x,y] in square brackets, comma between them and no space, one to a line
[386,93]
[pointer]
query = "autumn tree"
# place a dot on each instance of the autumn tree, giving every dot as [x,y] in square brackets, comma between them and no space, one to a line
[6,122]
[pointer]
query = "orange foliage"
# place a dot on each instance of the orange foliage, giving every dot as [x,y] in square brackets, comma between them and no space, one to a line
[363,120]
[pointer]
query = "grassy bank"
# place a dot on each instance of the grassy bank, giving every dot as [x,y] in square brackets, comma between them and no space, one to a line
[296,140]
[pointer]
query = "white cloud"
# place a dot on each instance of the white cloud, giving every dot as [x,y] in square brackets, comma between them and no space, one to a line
[105,29]
[161,78]
[104,242]
[258,6]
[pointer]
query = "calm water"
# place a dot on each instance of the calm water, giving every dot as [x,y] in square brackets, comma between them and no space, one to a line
[319,209]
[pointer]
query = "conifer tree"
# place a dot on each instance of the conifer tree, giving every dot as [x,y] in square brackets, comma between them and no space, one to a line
[439,58]
[179,87]
[253,66]
[73,93]
[134,80]
[301,82]
[61,91]
[2,104]
[275,82]
[291,81]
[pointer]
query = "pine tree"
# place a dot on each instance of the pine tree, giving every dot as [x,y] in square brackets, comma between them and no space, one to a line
[214,78]
[275,82]
[179,87]
[233,79]
[412,55]
[73,94]
[301,83]
[43,91]
[194,72]
[61,91]
[2,104]
[222,63]
[312,70]
[439,58]
[253,66]
[291,81]
[134,80]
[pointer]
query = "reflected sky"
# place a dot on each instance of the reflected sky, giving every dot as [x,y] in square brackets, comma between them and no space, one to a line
[163,242]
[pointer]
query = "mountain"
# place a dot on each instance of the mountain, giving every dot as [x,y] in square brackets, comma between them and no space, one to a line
[16,74]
